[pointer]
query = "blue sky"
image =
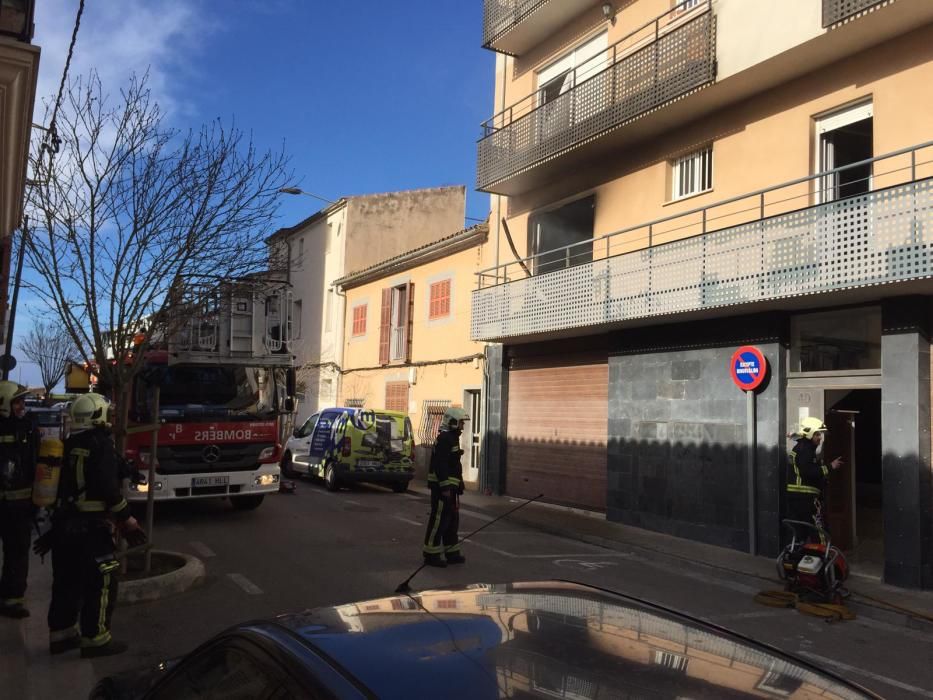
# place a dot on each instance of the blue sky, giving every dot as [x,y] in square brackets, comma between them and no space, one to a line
[365,95]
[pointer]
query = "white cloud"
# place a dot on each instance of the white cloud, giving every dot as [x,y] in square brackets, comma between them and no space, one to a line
[117,38]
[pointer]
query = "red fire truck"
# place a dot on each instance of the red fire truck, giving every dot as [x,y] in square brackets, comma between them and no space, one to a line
[226,384]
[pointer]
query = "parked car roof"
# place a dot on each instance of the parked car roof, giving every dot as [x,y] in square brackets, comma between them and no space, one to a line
[539,639]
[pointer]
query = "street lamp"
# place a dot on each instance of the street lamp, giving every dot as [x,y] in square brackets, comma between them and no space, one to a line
[296,190]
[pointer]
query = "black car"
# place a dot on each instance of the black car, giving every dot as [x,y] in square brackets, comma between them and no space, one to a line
[519,640]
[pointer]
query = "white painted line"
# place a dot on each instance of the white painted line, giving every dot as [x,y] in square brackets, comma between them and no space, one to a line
[867,674]
[474,514]
[407,520]
[244,583]
[356,503]
[202,549]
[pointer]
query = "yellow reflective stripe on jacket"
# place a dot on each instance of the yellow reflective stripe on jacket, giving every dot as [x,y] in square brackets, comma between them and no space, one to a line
[90,506]
[432,477]
[15,494]
[810,490]
[452,481]
[7,438]
[825,469]
[119,506]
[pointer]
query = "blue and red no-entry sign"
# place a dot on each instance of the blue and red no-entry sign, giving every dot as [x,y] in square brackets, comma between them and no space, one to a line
[748,368]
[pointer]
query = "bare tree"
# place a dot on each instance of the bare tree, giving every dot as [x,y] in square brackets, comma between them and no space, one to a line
[51,349]
[132,218]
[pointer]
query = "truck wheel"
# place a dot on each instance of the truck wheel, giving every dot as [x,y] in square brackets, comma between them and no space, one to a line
[286,466]
[330,478]
[400,486]
[246,502]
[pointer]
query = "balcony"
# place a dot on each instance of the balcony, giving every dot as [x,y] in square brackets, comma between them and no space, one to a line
[16,19]
[835,11]
[513,26]
[759,250]
[654,65]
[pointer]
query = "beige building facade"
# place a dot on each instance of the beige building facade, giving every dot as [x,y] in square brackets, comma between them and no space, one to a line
[19,71]
[407,343]
[350,234]
[681,180]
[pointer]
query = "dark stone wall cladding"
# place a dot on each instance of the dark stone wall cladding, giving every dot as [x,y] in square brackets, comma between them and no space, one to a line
[677,433]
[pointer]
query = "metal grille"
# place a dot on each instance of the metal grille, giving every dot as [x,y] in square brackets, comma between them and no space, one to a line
[673,64]
[835,11]
[431,414]
[354,403]
[501,16]
[876,238]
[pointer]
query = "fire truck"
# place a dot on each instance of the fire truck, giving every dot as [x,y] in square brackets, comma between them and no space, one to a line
[226,386]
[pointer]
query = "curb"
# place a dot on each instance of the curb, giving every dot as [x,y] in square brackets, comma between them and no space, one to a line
[158,587]
[864,609]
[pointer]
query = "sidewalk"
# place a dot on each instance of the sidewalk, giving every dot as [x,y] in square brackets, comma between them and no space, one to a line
[593,528]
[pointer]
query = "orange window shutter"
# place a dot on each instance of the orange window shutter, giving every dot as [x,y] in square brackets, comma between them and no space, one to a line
[385,326]
[410,321]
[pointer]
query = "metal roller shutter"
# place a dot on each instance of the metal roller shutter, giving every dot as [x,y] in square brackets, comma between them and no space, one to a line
[557,429]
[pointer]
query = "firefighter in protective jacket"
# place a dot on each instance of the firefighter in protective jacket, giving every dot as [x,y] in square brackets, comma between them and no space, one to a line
[19,448]
[90,503]
[445,479]
[807,474]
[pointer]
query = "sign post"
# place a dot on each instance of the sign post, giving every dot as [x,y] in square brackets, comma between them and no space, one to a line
[749,368]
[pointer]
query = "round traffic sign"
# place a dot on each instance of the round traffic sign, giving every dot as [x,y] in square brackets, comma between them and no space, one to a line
[748,368]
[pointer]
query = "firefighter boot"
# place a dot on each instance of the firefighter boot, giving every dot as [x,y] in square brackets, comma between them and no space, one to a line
[60,646]
[434,560]
[111,648]
[456,558]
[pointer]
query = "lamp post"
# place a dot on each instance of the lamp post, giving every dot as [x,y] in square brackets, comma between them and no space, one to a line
[296,190]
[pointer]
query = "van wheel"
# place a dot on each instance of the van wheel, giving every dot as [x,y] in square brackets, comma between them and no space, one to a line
[247,502]
[330,478]
[286,466]
[400,486]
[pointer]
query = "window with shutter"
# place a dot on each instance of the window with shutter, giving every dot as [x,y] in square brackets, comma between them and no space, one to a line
[439,305]
[397,396]
[385,326]
[359,320]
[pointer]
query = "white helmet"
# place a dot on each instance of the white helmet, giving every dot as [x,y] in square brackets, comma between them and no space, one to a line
[453,416]
[89,411]
[9,392]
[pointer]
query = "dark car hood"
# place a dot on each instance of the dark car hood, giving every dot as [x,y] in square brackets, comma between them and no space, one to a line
[551,639]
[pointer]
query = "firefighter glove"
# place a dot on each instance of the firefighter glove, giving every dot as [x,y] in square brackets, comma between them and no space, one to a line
[43,544]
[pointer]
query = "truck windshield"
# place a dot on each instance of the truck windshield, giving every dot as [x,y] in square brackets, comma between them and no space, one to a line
[203,391]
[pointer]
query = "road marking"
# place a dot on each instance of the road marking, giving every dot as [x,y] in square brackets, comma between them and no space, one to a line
[244,583]
[202,549]
[356,503]
[868,674]
[407,520]
[474,514]
[584,565]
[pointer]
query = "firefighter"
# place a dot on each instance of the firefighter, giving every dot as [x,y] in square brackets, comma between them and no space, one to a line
[19,449]
[90,503]
[807,474]
[445,479]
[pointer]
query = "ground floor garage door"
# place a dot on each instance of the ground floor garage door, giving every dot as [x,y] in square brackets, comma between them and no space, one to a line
[557,426]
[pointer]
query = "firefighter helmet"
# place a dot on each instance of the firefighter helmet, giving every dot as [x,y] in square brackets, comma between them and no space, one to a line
[453,416]
[9,392]
[89,411]
[810,427]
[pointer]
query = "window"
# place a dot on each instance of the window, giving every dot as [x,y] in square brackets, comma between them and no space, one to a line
[440,300]
[447,604]
[404,604]
[692,174]
[675,662]
[775,683]
[295,320]
[397,396]
[359,320]
[431,415]
[221,672]
[836,340]
[355,403]
[551,232]
[395,324]
[587,59]
[307,427]
[845,137]
[684,5]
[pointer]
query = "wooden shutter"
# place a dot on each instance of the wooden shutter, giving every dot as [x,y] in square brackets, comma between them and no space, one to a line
[409,321]
[397,396]
[385,326]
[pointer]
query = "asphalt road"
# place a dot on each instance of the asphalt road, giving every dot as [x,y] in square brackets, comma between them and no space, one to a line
[317,548]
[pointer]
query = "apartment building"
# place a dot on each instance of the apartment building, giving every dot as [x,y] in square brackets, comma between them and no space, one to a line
[683,179]
[407,340]
[350,234]
[19,70]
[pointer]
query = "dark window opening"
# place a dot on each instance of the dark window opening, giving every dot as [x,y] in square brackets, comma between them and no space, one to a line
[552,231]
[840,147]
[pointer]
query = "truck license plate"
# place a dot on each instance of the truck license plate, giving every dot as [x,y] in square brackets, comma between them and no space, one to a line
[369,463]
[198,481]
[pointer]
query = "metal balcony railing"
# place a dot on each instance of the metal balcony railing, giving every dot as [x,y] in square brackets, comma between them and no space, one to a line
[662,60]
[16,19]
[835,11]
[501,16]
[788,240]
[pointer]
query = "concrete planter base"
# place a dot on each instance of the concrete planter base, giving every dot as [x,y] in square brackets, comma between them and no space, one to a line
[187,576]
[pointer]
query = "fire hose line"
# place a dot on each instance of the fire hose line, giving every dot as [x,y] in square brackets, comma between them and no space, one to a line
[830,612]
[898,608]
